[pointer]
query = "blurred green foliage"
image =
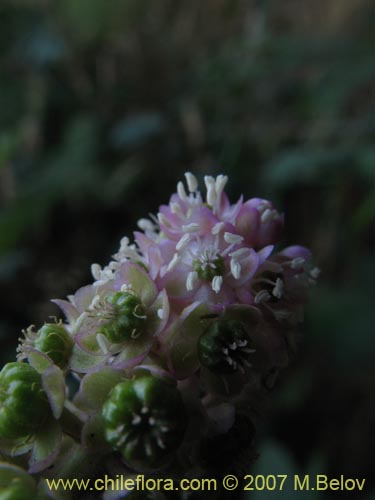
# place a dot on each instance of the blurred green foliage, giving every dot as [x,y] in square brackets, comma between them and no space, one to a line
[104,105]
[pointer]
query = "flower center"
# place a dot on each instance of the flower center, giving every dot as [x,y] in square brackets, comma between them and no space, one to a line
[209,265]
[124,317]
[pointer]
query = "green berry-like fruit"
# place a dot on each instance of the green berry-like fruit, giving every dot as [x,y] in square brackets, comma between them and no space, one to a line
[15,491]
[55,341]
[23,402]
[126,319]
[225,347]
[145,419]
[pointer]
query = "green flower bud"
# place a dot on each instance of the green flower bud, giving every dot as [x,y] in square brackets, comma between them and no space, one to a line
[55,341]
[23,403]
[145,420]
[225,347]
[126,319]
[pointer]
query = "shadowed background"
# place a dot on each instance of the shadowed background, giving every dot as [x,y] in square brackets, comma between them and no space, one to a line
[104,105]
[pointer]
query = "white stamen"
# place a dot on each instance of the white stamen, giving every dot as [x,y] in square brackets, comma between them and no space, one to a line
[161,313]
[211,195]
[145,225]
[267,215]
[135,333]
[102,343]
[233,346]
[278,289]
[160,442]
[95,301]
[190,228]
[297,262]
[181,192]
[151,421]
[241,343]
[217,281]
[235,268]
[263,205]
[137,419]
[233,238]
[314,273]
[217,228]
[191,280]
[211,190]
[144,410]
[225,350]
[281,313]
[173,262]
[176,209]
[122,440]
[247,351]
[182,241]
[126,288]
[135,313]
[120,428]
[240,253]
[262,296]
[96,271]
[191,182]
[220,183]
[163,220]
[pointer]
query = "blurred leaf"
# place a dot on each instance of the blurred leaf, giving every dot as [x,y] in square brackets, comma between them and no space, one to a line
[275,460]
[306,166]
[135,131]
[342,320]
[39,47]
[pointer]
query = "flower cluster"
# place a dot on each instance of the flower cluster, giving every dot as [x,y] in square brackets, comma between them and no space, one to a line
[173,345]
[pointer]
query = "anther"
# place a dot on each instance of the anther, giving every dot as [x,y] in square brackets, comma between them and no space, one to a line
[191,182]
[233,238]
[173,262]
[136,419]
[235,268]
[183,241]
[181,192]
[190,228]
[217,281]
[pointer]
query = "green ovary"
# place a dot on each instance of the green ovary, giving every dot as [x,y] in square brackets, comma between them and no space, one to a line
[23,403]
[225,347]
[208,270]
[145,420]
[55,341]
[127,318]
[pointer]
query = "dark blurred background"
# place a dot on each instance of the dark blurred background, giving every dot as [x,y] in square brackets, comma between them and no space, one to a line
[105,103]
